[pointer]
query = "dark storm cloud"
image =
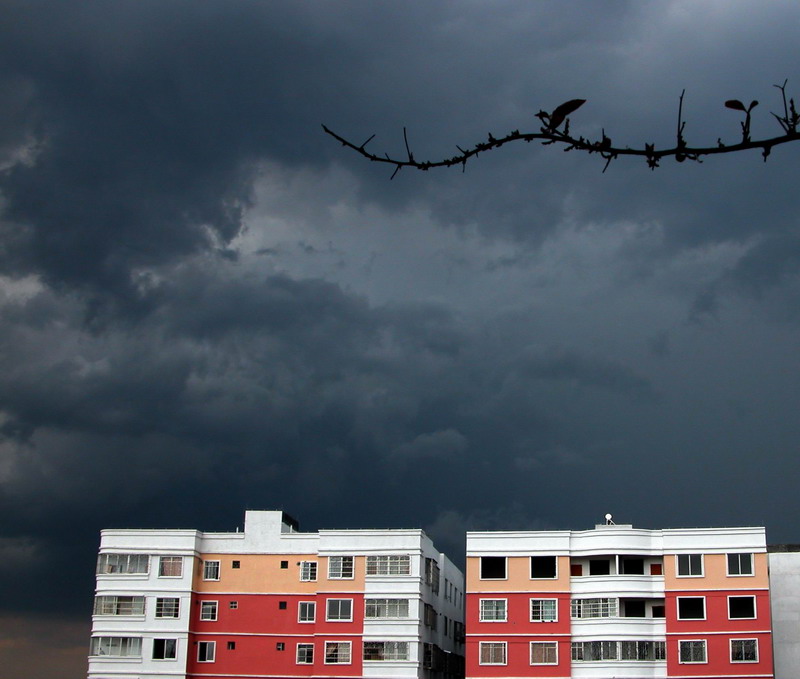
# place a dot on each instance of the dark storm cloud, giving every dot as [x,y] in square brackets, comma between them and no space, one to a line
[207,305]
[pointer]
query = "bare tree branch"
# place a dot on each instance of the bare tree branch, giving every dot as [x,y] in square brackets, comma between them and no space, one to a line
[555,130]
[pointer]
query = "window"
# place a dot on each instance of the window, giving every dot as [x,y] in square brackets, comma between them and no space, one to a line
[576,570]
[432,575]
[231,646]
[339,610]
[493,568]
[308,571]
[340,568]
[599,567]
[119,605]
[284,564]
[206,651]
[389,565]
[282,605]
[210,570]
[233,605]
[691,608]
[208,610]
[594,608]
[118,564]
[306,611]
[740,564]
[544,610]
[493,653]
[544,653]
[386,608]
[741,607]
[543,567]
[385,650]
[168,607]
[280,646]
[493,610]
[632,566]
[430,616]
[165,649]
[642,650]
[337,652]
[170,566]
[305,654]
[690,565]
[117,647]
[744,650]
[588,651]
[635,609]
[692,651]
[236,564]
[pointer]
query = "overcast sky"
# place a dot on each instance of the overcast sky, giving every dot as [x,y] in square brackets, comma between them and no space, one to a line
[208,305]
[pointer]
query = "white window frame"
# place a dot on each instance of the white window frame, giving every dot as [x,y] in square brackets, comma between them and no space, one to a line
[391,651]
[305,646]
[588,606]
[490,608]
[133,647]
[737,662]
[136,605]
[493,556]
[693,662]
[498,644]
[690,575]
[308,571]
[209,565]
[678,607]
[740,574]
[743,596]
[338,572]
[328,617]
[168,560]
[549,644]
[530,566]
[209,608]
[209,646]
[388,564]
[313,608]
[543,618]
[161,603]
[377,605]
[166,658]
[340,644]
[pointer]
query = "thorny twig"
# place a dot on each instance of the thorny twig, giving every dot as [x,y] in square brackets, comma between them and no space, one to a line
[555,130]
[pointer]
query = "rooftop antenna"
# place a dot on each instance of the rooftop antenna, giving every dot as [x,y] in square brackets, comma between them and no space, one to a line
[609,521]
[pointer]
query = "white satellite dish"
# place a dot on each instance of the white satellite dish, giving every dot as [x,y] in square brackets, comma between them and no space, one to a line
[609,522]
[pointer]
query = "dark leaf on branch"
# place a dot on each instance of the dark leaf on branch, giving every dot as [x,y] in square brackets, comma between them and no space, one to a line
[736,105]
[564,110]
[753,104]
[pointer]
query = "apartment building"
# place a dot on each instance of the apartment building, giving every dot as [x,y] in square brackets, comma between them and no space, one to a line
[271,601]
[617,601]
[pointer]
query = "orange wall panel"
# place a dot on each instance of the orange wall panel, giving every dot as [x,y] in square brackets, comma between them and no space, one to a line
[715,574]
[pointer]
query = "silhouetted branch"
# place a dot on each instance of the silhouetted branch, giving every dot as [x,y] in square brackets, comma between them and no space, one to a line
[555,130]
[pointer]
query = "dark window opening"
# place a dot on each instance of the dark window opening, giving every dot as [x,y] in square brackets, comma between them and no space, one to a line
[236,564]
[282,605]
[691,608]
[634,609]
[231,645]
[599,567]
[576,570]
[659,611]
[493,567]
[656,569]
[632,566]
[284,564]
[280,646]
[543,567]
[741,607]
